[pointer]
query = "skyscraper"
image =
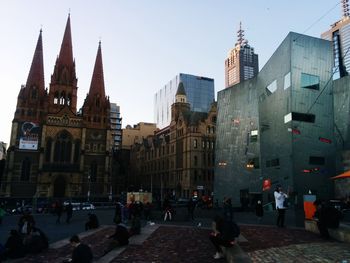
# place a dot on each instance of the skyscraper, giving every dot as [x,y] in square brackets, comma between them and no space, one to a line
[339,34]
[116,126]
[199,91]
[242,63]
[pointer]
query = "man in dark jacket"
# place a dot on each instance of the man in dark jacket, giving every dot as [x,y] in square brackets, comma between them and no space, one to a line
[82,253]
[224,234]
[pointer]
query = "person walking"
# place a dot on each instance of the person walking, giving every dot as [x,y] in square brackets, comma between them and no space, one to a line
[58,212]
[224,234]
[259,211]
[280,198]
[2,213]
[69,211]
[190,207]
[228,209]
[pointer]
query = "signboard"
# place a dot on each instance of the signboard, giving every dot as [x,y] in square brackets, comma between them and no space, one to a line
[200,187]
[266,184]
[29,136]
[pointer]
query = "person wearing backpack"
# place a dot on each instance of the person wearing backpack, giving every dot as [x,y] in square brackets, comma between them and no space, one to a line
[224,234]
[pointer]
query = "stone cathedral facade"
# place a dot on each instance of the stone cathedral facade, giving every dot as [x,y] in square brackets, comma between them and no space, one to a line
[56,150]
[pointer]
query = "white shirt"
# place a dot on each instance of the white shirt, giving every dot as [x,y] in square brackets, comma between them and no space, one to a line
[279,199]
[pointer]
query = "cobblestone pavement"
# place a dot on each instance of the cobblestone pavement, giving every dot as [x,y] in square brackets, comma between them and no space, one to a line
[172,244]
[97,241]
[314,252]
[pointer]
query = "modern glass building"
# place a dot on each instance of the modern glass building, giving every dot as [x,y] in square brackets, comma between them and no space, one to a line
[199,92]
[116,126]
[278,128]
[339,34]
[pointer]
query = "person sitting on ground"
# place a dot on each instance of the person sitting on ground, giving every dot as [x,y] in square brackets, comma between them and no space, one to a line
[119,238]
[224,234]
[36,241]
[14,247]
[81,253]
[92,223]
[26,223]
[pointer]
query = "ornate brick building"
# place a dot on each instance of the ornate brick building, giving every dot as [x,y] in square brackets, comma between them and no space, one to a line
[55,150]
[178,159]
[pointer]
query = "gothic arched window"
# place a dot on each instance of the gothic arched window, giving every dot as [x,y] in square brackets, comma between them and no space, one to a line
[69,99]
[25,171]
[76,151]
[63,147]
[48,150]
[93,171]
[62,98]
[56,98]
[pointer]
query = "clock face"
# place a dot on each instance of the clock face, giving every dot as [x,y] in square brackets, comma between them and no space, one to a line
[96,135]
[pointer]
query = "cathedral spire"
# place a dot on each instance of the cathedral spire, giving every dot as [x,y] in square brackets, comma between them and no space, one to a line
[97,86]
[36,72]
[66,53]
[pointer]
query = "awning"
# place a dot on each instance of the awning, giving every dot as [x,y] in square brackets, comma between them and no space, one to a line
[343,175]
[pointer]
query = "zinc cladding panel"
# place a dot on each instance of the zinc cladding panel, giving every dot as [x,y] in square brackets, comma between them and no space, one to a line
[313,56]
[237,116]
[275,140]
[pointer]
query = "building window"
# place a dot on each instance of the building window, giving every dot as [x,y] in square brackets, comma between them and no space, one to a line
[195,160]
[272,87]
[253,163]
[195,143]
[63,146]
[287,81]
[310,81]
[273,162]
[203,144]
[254,136]
[316,160]
[25,171]
[304,117]
[76,151]
[48,150]
[93,172]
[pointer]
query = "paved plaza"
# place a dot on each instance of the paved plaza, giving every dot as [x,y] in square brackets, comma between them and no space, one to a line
[185,241]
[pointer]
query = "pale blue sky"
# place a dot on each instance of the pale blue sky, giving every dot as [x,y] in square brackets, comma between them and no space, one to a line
[144,43]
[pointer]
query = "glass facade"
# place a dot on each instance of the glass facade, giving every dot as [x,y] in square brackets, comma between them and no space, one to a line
[199,93]
[116,125]
[339,34]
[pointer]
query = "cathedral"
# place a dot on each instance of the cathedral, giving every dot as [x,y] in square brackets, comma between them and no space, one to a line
[56,150]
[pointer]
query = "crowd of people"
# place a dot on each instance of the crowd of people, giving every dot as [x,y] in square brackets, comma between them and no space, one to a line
[27,239]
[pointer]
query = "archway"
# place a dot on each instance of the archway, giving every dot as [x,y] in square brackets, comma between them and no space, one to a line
[59,187]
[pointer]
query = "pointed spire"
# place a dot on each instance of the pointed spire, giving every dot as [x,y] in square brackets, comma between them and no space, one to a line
[97,82]
[345,9]
[66,52]
[36,72]
[181,89]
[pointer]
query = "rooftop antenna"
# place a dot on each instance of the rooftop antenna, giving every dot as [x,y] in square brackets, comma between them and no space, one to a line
[240,35]
[345,5]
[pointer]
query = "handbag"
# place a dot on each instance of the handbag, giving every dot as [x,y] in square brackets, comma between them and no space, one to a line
[286,203]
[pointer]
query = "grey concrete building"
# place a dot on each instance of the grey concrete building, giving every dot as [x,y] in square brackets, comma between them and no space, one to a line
[279,126]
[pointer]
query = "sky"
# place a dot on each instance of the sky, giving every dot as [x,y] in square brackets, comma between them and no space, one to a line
[145,43]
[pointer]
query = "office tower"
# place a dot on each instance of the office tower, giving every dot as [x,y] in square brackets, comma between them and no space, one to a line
[116,126]
[241,63]
[199,91]
[339,34]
